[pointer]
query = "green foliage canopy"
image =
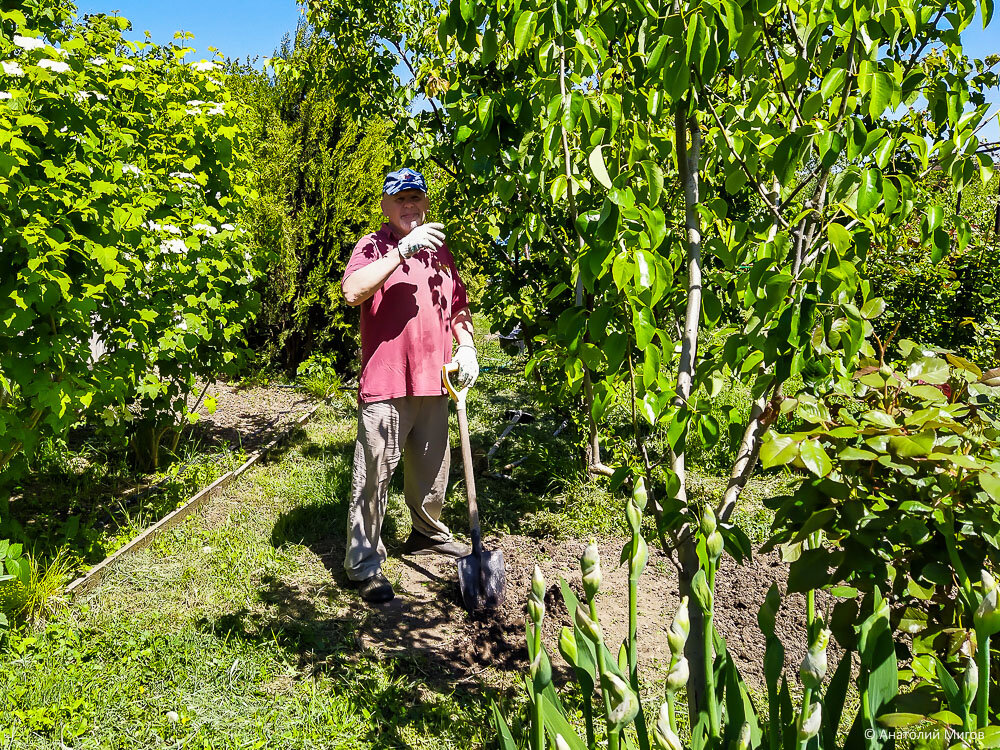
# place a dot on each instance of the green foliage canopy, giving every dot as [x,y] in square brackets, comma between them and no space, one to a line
[120,169]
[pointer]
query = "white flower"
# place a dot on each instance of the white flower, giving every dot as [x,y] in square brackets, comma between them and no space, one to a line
[5,95]
[182,175]
[218,109]
[171,229]
[81,96]
[194,102]
[100,97]
[206,228]
[173,246]
[11,68]
[28,42]
[153,226]
[128,68]
[183,325]
[227,227]
[131,169]
[204,66]
[99,61]
[55,66]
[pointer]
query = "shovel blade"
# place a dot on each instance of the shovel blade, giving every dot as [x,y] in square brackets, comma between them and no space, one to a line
[483,580]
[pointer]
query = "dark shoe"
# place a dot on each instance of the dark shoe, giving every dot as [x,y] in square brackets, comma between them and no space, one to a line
[418,544]
[376,589]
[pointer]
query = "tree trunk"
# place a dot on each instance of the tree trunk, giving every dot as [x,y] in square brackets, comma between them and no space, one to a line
[689,164]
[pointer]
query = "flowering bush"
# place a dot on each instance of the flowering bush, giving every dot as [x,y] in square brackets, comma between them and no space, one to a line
[119,166]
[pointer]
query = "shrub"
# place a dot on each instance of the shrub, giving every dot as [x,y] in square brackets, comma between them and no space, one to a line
[121,167]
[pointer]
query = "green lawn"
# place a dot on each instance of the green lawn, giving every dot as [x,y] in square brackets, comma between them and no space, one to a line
[228,634]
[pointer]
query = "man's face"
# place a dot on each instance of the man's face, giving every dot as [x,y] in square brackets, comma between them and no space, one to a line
[406,210]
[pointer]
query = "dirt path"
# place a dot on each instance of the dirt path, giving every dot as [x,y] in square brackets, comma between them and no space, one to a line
[427,616]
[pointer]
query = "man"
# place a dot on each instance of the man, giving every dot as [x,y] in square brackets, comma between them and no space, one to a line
[412,304]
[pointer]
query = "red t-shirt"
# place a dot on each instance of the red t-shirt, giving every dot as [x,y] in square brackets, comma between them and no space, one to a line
[406,325]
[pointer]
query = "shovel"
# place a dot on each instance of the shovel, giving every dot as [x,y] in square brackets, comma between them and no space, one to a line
[481,575]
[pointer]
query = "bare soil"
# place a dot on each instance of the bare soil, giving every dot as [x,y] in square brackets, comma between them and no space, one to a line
[248,417]
[427,615]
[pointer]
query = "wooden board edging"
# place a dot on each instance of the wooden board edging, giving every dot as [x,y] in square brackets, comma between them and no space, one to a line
[93,576]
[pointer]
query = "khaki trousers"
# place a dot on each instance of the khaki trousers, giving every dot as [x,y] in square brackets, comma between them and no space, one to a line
[415,427]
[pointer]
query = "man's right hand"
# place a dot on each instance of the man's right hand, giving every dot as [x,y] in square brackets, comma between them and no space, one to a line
[426,235]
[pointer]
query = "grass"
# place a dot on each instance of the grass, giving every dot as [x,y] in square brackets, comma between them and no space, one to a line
[226,633]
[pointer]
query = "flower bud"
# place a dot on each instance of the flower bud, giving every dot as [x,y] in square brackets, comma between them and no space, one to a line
[663,734]
[541,670]
[678,634]
[639,557]
[768,610]
[590,567]
[714,545]
[536,599]
[989,582]
[743,743]
[813,667]
[590,628]
[561,743]
[970,680]
[701,591]
[708,522]
[811,724]
[639,494]
[624,703]
[567,645]
[987,616]
[678,675]
[634,516]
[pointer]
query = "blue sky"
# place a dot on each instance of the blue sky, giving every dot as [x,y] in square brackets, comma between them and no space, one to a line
[242,28]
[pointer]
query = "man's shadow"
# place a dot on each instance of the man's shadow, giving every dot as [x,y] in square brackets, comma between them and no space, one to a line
[414,623]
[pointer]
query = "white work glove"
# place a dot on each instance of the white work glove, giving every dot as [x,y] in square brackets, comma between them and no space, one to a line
[468,365]
[426,235]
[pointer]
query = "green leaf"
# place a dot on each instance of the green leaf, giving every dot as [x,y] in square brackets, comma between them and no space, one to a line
[645,327]
[932,370]
[654,179]
[880,94]
[815,458]
[597,166]
[868,190]
[557,724]
[645,271]
[779,450]
[833,83]
[506,739]
[912,446]
[900,720]
[524,30]
[991,484]
[657,56]
[839,236]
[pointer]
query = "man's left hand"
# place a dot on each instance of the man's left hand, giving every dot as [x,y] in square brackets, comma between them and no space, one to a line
[468,366]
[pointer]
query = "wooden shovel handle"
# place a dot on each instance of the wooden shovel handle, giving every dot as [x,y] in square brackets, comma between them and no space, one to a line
[463,432]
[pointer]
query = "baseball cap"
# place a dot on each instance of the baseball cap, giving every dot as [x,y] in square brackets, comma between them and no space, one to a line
[403,179]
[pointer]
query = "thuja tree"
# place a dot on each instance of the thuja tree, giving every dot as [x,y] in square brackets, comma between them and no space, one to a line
[320,173]
[590,112]
[120,166]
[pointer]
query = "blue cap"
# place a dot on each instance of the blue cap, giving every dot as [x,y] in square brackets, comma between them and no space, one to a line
[403,179]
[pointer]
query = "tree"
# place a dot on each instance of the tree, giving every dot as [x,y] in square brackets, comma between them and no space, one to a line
[319,180]
[682,159]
